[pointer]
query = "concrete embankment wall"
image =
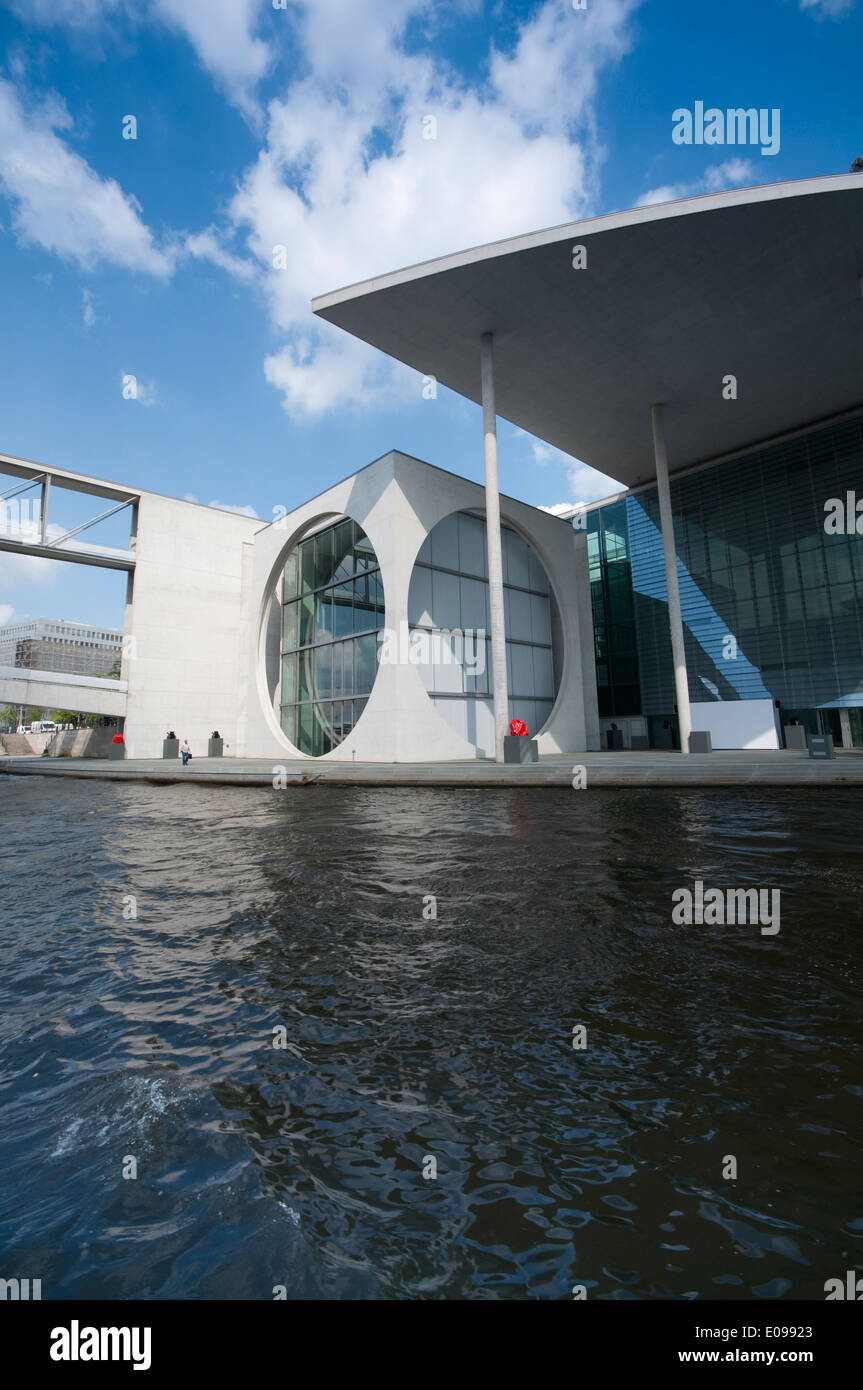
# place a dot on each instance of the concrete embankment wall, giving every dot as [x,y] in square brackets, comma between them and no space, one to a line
[82,743]
[74,743]
[20,745]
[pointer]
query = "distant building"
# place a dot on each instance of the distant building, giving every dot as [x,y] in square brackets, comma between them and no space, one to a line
[51,644]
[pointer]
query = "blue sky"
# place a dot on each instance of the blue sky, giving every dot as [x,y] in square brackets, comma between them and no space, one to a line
[301,126]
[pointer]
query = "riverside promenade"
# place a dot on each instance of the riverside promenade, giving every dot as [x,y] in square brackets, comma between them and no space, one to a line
[738,768]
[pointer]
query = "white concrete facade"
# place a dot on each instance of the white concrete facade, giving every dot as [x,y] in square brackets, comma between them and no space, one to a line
[183,640]
[202,631]
[398,500]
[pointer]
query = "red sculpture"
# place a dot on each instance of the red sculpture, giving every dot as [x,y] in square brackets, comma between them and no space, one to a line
[518,728]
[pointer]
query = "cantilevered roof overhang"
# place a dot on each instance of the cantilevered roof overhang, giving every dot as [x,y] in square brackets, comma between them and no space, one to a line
[759,283]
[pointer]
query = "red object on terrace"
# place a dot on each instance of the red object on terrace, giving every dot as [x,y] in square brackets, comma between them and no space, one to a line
[118,738]
[518,728]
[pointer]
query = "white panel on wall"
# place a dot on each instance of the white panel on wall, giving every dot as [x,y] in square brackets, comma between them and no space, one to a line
[420,598]
[516,565]
[455,713]
[426,674]
[537,574]
[519,628]
[472,551]
[522,670]
[737,723]
[540,624]
[543,675]
[476,665]
[474,604]
[484,681]
[446,606]
[543,710]
[480,725]
[448,675]
[444,539]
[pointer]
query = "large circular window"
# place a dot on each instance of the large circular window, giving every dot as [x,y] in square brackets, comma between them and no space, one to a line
[448,610]
[332,610]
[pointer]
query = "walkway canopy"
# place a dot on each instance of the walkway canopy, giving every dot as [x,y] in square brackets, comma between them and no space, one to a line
[759,283]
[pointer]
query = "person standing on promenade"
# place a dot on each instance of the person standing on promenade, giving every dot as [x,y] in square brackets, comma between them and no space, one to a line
[185,751]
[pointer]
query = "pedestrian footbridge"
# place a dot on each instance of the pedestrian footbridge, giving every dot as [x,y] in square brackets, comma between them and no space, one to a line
[59,690]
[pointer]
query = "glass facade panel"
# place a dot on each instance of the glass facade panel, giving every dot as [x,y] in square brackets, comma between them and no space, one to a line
[756,565]
[291,576]
[343,610]
[608,543]
[365,663]
[448,604]
[290,626]
[307,566]
[323,558]
[343,550]
[329,636]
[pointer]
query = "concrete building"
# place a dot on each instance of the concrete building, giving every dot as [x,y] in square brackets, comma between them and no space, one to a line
[706,353]
[369,613]
[56,644]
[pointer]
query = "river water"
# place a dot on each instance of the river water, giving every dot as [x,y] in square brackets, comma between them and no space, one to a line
[428,1130]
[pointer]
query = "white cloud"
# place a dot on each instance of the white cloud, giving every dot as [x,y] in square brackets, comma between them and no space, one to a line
[205,246]
[241,509]
[732,173]
[7,613]
[587,484]
[831,8]
[349,186]
[25,571]
[20,571]
[89,311]
[222,34]
[76,14]
[60,203]
[220,31]
[345,180]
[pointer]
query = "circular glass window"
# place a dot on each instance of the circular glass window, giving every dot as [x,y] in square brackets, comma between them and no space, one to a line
[448,611]
[332,610]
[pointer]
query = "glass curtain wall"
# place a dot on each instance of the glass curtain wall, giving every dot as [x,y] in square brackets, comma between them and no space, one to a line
[449,591]
[616,648]
[772,598]
[332,610]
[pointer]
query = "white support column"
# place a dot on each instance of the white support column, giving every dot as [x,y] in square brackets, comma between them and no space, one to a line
[675,620]
[495,559]
[845,727]
[43,519]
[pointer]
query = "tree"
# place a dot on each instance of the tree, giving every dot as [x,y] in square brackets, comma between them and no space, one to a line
[66,716]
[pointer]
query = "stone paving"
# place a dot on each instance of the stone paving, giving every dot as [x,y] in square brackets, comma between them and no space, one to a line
[622,769]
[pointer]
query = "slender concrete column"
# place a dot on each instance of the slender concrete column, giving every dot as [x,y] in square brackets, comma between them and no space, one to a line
[495,559]
[43,518]
[845,728]
[681,684]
